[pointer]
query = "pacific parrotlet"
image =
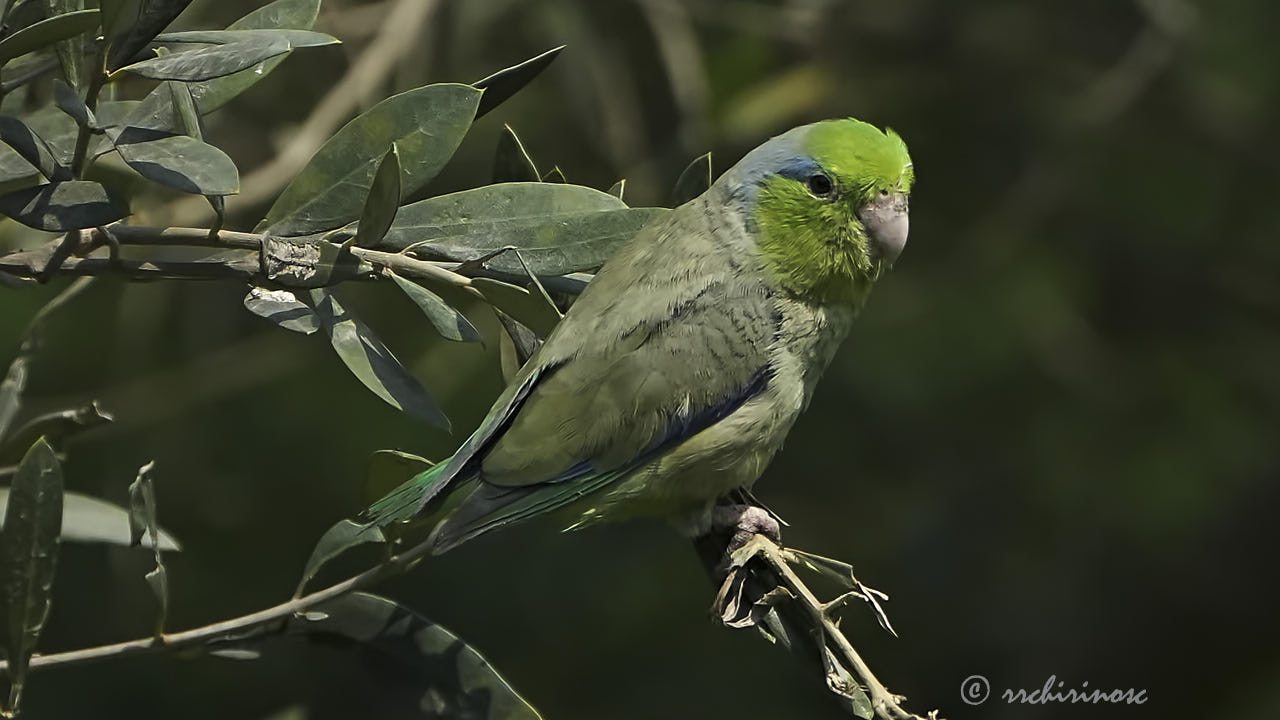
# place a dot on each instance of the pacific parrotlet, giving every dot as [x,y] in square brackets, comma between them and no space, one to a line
[677,374]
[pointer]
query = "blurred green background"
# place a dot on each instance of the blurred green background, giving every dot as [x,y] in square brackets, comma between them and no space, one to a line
[1053,439]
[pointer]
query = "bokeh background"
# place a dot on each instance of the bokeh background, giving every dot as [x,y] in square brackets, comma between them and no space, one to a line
[1053,439]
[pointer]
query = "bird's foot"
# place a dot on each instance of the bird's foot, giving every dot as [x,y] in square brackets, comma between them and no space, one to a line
[741,523]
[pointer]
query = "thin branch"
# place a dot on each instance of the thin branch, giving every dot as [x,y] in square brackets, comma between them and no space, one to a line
[80,160]
[758,588]
[33,263]
[208,633]
[885,703]
[245,266]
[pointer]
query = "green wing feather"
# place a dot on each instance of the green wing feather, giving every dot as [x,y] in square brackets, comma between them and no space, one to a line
[672,330]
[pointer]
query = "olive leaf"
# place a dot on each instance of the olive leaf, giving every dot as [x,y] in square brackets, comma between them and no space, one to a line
[161,141]
[46,32]
[382,202]
[501,85]
[371,362]
[129,25]
[32,527]
[70,102]
[279,15]
[342,536]
[295,38]
[210,62]
[54,427]
[62,206]
[426,124]
[17,135]
[694,181]
[450,678]
[283,308]
[142,522]
[93,520]
[451,324]
[559,229]
[511,162]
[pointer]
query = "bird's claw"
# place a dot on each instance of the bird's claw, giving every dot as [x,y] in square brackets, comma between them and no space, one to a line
[742,522]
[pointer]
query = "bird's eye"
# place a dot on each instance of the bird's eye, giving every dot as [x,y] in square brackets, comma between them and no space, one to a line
[884,192]
[820,185]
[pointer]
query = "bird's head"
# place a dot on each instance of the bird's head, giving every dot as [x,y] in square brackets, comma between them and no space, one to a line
[829,203]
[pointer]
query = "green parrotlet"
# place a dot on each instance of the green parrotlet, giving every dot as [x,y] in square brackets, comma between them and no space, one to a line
[675,377]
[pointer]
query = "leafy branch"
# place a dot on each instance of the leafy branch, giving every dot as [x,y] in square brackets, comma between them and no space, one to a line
[760,569]
[523,246]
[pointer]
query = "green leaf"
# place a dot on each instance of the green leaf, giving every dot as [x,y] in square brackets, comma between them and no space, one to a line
[283,308]
[90,520]
[160,140]
[46,33]
[342,536]
[54,427]
[555,175]
[426,124]
[153,112]
[142,521]
[511,163]
[178,161]
[618,188]
[295,38]
[59,130]
[371,362]
[694,181]
[130,24]
[501,85]
[32,148]
[70,51]
[211,62]
[281,14]
[382,202]
[453,680]
[451,324]
[388,470]
[16,173]
[70,102]
[15,381]
[517,344]
[519,302]
[184,107]
[62,206]
[559,229]
[33,519]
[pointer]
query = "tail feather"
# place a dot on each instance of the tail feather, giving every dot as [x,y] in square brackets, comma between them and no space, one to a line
[410,498]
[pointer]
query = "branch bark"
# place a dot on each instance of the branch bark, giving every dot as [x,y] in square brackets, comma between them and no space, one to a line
[774,565]
[221,630]
[245,261]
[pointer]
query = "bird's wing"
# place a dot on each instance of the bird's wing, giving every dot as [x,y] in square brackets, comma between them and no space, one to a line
[671,336]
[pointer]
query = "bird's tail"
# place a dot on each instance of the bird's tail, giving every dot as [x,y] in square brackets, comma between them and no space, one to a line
[410,498]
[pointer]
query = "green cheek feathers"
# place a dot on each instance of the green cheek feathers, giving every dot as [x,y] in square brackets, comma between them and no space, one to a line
[818,249]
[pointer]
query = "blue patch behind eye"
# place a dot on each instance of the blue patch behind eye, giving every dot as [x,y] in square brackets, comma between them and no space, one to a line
[800,168]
